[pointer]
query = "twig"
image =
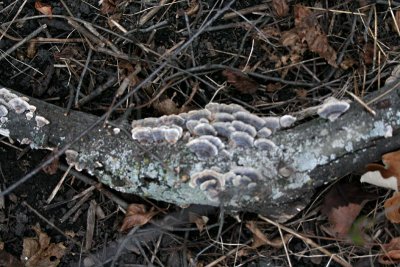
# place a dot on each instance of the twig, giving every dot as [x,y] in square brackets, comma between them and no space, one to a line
[27,38]
[78,89]
[145,18]
[307,241]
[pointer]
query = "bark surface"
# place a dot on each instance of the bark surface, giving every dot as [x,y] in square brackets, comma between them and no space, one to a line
[277,183]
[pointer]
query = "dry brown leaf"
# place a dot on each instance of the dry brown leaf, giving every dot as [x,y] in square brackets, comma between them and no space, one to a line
[136,215]
[8,260]
[108,6]
[392,165]
[259,239]
[392,208]
[114,18]
[39,252]
[280,7]
[200,221]
[308,31]
[301,93]
[166,107]
[347,63]
[391,252]
[368,51]
[273,87]
[342,204]
[193,8]
[53,166]
[45,9]
[241,81]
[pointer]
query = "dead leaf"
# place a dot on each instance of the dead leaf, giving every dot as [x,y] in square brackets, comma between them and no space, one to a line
[108,6]
[392,208]
[8,260]
[273,87]
[368,51]
[347,63]
[280,7]
[38,251]
[301,93]
[241,81]
[136,215]
[342,204]
[387,175]
[308,31]
[260,239]
[193,8]
[391,252]
[166,107]
[200,221]
[53,166]
[45,9]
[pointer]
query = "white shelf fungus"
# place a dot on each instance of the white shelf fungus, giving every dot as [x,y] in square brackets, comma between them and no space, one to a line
[203,149]
[41,121]
[332,108]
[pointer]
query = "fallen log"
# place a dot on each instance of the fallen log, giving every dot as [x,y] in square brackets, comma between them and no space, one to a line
[189,159]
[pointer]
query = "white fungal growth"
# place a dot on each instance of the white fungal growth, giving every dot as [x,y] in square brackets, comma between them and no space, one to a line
[19,105]
[3,111]
[203,149]
[231,108]
[264,144]
[116,131]
[147,135]
[332,108]
[204,129]
[264,132]
[214,140]
[29,115]
[223,117]
[272,123]
[142,134]
[209,181]
[41,121]
[286,121]
[250,119]
[223,129]
[241,139]
[243,127]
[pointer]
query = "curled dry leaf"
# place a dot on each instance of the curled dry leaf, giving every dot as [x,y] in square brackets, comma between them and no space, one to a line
[200,221]
[368,52]
[241,81]
[166,107]
[53,166]
[38,251]
[136,215]
[391,252]
[386,175]
[308,31]
[259,239]
[280,7]
[108,6]
[341,205]
[45,9]
[193,8]
[392,208]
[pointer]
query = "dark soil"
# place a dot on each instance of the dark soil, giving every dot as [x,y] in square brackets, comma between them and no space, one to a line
[52,71]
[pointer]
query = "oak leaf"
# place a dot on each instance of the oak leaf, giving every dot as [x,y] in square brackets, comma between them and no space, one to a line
[342,205]
[45,9]
[241,81]
[136,215]
[391,252]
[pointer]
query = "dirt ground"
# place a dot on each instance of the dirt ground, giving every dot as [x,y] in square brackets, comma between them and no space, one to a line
[259,54]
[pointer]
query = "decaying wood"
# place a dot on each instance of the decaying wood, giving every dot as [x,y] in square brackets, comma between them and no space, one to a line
[306,156]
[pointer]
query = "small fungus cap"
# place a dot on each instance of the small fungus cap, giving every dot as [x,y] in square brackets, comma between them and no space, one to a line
[3,111]
[332,108]
[203,149]
[241,139]
[19,105]
[41,121]
[286,121]
[250,119]
[204,129]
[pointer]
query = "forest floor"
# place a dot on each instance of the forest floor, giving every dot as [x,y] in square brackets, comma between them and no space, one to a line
[272,57]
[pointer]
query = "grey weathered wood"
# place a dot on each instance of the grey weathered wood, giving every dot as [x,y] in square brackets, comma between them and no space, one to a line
[308,155]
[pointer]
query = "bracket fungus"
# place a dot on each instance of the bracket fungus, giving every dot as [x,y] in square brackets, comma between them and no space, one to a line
[243,127]
[287,120]
[203,149]
[332,108]
[204,129]
[249,118]
[19,105]
[41,121]
[3,111]
[209,181]
[264,144]
[241,139]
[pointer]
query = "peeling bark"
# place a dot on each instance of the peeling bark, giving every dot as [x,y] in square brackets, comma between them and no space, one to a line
[306,156]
